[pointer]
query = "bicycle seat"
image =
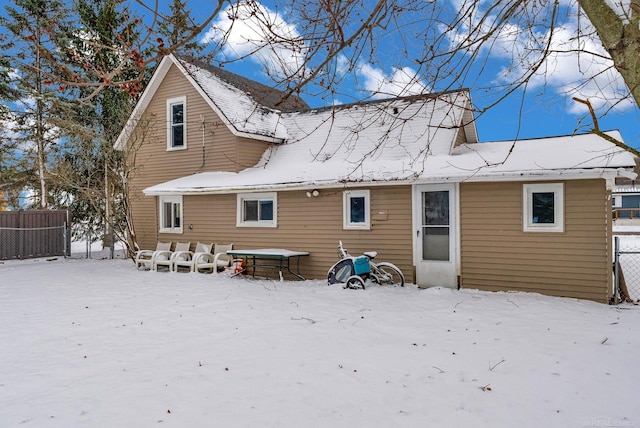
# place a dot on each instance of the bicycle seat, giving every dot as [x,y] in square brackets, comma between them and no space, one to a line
[371,254]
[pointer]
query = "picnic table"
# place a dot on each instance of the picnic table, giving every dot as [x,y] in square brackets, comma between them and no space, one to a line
[270,258]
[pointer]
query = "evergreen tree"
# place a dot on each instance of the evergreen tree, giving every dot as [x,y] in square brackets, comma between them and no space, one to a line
[33,29]
[6,148]
[89,168]
[175,30]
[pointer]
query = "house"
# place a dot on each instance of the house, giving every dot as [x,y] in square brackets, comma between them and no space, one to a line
[626,199]
[220,158]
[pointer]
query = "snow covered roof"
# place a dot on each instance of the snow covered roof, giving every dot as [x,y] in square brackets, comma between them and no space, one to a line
[357,160]
[424,138]
[626,188]
[248,108]
[262,94]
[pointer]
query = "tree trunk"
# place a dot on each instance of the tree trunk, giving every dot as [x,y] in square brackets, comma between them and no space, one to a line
[40,143]
[620,39]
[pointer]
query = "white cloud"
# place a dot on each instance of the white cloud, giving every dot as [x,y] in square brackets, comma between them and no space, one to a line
[577,66]
[342,65]
[478,30]
[401,82]
[249,29]
[580,67]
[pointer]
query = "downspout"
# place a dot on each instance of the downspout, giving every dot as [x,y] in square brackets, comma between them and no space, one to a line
[203,147]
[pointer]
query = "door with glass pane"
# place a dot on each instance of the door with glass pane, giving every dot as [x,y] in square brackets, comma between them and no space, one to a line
[435,235]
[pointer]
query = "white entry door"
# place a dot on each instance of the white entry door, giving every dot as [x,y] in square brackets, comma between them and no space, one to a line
[435,220]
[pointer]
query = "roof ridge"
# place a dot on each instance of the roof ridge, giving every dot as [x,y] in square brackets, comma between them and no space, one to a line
[264,95]
[410,98]
[272,98]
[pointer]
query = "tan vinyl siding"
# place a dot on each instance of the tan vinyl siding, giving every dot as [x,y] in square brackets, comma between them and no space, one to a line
[249,152]
[497,255]
[211,146]
[308,224]
[312,224]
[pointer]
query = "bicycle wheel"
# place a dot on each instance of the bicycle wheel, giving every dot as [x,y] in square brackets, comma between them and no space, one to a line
[355,282]
[388,274]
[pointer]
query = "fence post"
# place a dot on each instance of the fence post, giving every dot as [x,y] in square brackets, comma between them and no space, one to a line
[20,234]
[616,271]
[88,243]
[112,243]
[64,236]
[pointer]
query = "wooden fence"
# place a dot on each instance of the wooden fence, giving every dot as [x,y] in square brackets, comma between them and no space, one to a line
[29,234]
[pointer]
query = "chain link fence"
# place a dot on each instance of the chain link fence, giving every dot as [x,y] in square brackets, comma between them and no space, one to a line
[28,234]
[24,243]
[626,268]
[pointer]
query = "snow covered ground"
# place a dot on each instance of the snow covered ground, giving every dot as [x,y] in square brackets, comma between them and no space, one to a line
[95,343]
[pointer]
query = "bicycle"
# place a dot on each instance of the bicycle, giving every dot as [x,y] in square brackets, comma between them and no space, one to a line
[355,271]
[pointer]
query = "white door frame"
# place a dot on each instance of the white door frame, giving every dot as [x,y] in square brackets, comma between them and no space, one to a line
[437,273]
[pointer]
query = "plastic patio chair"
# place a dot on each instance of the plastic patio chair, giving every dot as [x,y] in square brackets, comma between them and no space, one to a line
[213,262]
[145,258]
[166,258]
[187,259]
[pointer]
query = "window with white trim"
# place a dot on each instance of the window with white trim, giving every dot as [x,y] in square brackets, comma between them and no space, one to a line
[257,210]
[356,207]
[171,214]
[617,202]
[177,125]
[543,207]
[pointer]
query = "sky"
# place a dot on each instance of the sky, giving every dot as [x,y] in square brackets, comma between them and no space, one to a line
[97,343]
[545,109]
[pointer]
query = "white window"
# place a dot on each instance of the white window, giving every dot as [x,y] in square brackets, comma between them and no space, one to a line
[356,210]
[257,210]
[543,207]
[617,202]
[171,214]
[177,125]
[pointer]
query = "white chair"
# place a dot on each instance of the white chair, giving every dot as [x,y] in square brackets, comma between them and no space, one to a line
[145,258]
[187,259]
[213,262]
[166,258]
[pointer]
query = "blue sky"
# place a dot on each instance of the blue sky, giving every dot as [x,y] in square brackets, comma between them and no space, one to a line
[545,109]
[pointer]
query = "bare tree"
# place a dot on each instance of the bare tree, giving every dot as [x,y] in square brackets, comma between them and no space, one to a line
[314,46]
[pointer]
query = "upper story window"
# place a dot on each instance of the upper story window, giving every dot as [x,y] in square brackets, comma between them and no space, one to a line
[176,119]
[171,214]
[356,209]
[257,210]
[543,207]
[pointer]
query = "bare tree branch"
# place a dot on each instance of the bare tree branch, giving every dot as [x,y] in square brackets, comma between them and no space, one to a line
[596,129]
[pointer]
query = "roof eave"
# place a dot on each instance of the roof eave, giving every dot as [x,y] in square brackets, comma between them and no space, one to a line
[608,174]
[559,174]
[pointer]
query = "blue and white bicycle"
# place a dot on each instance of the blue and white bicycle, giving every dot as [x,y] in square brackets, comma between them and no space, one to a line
[354,272]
